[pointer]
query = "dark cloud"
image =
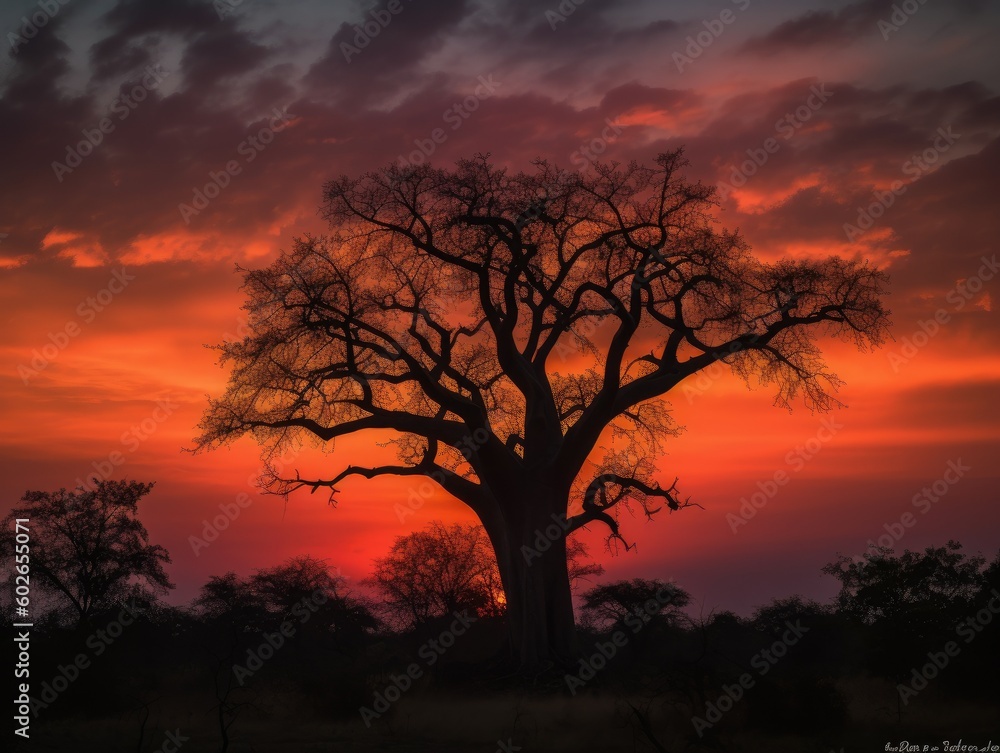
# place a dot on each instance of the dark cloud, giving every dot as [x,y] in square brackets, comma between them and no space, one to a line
[138,26]
[360,67]
[132,18]
[948,220]
[588,27]
[876,130]
[822,28]
[38,64]
[229,80]
[111,58]
[219,54]
[607,60]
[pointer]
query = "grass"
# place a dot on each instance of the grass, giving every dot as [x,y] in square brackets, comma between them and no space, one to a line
[425,721]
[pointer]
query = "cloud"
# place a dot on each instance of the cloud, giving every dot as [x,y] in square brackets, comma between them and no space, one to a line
[855,22]
[557,90]
[821,27]
[367,60]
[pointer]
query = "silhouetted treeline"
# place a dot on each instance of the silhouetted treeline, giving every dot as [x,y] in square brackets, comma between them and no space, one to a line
[909,640]
[294,639]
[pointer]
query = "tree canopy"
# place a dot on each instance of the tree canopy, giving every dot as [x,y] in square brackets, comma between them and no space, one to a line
[88,547]
[434,308]
[515,335]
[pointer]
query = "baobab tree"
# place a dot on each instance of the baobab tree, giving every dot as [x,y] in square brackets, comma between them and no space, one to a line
[499,327]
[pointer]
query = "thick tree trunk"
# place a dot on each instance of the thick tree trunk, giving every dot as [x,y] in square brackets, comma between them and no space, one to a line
[530,545]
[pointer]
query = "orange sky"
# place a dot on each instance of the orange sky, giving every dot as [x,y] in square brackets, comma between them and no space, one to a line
[109,349]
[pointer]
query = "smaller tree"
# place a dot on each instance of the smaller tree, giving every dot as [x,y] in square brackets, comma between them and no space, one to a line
[229,599]
[237,612]
[907,602]
[434,572]
[297,579]
[612,604]
[306,582]
[773,618]
[301,587]
[88,547]
[991,576]
[437,571]
[832,645]
[232,611]
[918,592]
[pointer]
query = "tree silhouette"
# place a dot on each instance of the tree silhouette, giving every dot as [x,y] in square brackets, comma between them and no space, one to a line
[297,579]
[614,604]
[275,594]
[443,568]
[230,600]
[908,601]
[497,327]
[88,547]
[232,611]
[914,592]
[285,588]
[437,571]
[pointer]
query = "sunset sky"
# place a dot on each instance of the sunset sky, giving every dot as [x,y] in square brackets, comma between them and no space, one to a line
[875,125]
